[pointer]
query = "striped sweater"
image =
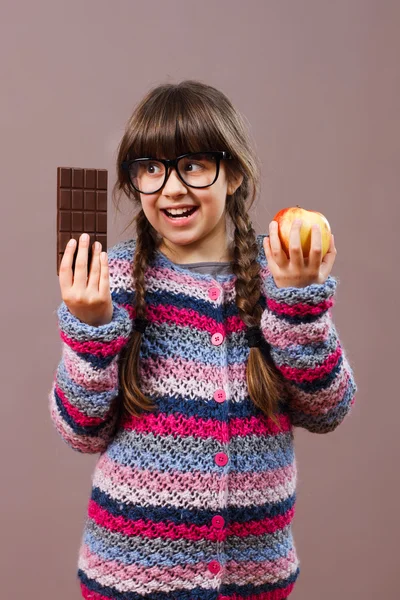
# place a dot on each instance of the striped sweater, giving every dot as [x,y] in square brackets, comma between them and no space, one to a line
[196,500]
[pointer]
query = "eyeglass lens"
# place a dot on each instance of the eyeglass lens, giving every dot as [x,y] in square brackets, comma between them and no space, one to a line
[197,170]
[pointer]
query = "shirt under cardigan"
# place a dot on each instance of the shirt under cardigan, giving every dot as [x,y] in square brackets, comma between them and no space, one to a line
[196,500]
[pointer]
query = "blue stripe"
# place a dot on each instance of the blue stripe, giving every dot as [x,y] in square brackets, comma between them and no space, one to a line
[297,355]
[183,301]
[191,461]
[208,409]
[168,340]
[185,516]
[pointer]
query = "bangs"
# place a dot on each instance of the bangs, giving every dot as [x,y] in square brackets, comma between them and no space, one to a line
[175,123]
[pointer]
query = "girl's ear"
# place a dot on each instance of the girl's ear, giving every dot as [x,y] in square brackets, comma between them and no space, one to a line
[234,183]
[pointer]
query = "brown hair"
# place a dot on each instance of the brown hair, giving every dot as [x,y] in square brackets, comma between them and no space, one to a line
[174,119]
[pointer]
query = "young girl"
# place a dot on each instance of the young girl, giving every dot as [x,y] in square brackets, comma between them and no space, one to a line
[188,358]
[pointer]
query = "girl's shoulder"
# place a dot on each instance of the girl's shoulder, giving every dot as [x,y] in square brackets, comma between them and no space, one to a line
[122,250]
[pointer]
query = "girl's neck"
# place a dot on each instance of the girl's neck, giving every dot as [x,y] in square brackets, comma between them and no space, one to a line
[190,254]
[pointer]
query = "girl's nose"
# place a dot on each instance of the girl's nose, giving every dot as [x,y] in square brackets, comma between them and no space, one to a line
[174,185]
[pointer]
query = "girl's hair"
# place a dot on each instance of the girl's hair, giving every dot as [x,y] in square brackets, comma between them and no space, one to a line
[174,119]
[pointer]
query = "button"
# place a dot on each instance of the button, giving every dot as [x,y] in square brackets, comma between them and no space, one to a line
[213,293]
[221,459]
[224,598]
[219,395]
[217,339]
[218,521]
[214,567]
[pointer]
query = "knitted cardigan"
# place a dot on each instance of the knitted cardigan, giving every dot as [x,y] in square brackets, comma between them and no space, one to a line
[196,500]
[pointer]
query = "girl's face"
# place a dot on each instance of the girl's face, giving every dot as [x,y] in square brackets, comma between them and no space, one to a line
[200,237]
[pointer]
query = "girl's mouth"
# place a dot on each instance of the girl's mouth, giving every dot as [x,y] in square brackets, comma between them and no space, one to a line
[180,219]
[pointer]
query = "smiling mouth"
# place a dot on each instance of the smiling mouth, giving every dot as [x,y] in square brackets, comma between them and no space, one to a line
[182,215]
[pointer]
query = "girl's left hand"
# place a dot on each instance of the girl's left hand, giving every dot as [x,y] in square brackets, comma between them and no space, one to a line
[298,271]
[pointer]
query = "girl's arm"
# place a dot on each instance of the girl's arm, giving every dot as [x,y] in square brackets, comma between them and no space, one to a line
[305,347]
[83,400]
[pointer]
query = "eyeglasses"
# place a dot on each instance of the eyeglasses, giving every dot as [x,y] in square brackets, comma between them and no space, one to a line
[198,170]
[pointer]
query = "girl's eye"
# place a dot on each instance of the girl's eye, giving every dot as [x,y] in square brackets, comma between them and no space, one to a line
[154,168]
[193,166]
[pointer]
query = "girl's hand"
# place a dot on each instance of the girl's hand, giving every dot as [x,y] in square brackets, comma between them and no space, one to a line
[87,298]
[298,271]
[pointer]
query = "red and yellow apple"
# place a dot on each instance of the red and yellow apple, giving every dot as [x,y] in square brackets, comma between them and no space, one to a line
[285,219]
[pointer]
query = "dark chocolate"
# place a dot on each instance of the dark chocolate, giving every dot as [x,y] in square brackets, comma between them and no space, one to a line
[81,208]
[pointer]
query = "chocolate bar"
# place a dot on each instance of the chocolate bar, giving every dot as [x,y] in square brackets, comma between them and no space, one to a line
[81,208]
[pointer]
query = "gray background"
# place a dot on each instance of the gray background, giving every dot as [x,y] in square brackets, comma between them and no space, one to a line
[318,82]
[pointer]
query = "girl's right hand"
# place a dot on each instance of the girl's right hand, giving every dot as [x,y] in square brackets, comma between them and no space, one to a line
[87,298]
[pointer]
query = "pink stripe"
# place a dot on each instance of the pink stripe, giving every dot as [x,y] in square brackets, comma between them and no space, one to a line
[189,369]
[314,373]
[180,575]
[265,480]
[179,425]
[281,334]
[169,530]
[186,317]
[81,372]
[262,571]
[299,310]
[101,349]
[168,313]
[154,481]
[75,414]
[88,594]
[321,403]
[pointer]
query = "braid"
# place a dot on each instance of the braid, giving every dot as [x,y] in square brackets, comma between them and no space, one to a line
[245,265]
[133,397]
[264,381]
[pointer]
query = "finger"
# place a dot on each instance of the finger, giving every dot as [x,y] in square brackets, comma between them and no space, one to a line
[81,264]
[104,284]
[316,248]
[277,252]
[331,249]
[329,258]
[65,276]
[267,249]
[295,249]
[94,273]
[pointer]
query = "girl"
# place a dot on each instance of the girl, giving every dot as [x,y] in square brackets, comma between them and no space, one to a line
[188,358]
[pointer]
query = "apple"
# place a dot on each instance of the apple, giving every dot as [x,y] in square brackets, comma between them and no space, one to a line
[285,219]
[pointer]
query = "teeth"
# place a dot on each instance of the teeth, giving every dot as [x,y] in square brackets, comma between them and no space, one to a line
[179,211]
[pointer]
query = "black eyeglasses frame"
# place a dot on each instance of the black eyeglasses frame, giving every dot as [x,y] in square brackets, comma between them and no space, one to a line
[219,154]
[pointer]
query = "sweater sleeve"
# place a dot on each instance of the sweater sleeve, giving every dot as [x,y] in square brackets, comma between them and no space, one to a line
[83,400]
[305,347]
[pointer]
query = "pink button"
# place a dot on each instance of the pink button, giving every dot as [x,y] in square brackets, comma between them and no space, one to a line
[213,293]
[224,598]
[214,567]
[218,521]
[217,339]
[219,395]
[221,459]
